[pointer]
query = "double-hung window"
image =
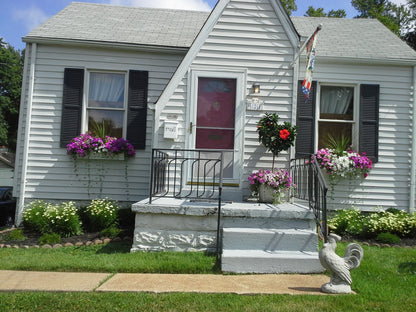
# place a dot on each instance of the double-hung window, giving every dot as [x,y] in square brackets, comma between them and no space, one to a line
[336,116]
[106,107]
[105,103]
[338,112]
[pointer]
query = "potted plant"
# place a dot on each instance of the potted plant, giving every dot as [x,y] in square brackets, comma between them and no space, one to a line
[270,185]
[274,136]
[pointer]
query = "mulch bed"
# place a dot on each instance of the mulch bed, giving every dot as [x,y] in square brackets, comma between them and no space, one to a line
[32,240]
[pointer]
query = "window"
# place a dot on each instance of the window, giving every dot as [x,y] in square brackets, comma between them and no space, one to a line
[341,110]
[106,105]
[336,122]
[116,104]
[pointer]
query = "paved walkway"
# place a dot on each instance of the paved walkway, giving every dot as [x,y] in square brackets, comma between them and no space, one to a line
[294,284]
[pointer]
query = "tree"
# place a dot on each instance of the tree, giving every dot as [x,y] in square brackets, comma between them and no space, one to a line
[289,5]
[319,12]
[11,68]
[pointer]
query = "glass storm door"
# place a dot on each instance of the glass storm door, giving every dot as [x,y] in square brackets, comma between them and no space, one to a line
[215,118]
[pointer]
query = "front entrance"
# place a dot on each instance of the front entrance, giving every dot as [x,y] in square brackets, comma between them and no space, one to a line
[215,118]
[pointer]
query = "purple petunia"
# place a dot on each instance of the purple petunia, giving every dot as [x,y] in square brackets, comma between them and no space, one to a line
[85,144]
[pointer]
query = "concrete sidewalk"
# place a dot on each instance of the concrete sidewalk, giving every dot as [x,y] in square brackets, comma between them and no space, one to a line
[294,284]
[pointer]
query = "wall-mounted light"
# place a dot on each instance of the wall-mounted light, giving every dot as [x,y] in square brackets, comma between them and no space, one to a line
[256,88]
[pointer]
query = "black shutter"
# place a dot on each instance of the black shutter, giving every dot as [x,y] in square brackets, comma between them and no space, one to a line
[71,104]
[305,121]
[137,108]
[369,107]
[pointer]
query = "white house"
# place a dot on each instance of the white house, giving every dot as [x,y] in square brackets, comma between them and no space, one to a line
[161,60]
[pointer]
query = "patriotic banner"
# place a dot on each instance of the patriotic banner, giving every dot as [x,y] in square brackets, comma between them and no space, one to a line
[310,50]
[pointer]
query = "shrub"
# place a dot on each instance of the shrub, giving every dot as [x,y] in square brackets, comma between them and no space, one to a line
[33,218]
[388,238]
[101,214]
[48,218]
[50,238]
[63,219]
[356,223]
[15,235]
[111,232]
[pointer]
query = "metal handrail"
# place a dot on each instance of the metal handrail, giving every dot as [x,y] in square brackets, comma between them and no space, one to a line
[312,187]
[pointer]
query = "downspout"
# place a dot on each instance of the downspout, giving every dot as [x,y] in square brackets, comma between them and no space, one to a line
[27,134]
[413,149]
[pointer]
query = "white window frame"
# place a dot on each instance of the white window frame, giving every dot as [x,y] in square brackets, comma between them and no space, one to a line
[240,76]
[356,114]
[84,123]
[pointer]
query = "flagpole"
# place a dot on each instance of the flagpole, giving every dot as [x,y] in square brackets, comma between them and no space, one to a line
[297,55]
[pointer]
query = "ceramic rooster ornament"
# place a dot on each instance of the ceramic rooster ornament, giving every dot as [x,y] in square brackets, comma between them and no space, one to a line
[339,267]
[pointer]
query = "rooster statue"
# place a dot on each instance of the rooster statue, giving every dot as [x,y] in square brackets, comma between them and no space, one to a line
[339,267]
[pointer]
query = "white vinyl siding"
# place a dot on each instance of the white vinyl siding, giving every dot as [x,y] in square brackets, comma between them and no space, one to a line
[51,173]
[249,38]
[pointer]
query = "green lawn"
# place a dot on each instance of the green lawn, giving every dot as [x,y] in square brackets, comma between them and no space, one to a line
[385,281]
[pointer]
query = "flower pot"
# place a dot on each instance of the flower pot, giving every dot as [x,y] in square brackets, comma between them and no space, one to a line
[104,156]
[266,194]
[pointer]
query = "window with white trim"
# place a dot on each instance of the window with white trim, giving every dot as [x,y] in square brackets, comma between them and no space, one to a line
[336,116]
[106,105]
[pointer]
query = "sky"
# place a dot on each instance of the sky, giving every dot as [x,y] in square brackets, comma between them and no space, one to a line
[19,17]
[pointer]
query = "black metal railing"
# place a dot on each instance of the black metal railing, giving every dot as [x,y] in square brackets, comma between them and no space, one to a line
[189,174]
[311,186]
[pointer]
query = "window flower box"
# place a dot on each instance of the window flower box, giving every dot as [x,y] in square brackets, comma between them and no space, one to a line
[91,147]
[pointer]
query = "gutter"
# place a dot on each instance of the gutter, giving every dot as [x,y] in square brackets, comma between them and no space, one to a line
[21,200]
[412,195]
[105,44]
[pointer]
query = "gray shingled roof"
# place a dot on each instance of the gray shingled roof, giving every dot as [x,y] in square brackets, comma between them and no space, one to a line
[354,38]
[346,38]
[119,24]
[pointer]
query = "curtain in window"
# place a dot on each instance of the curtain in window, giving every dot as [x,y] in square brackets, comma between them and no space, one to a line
[106,88]
[336,100]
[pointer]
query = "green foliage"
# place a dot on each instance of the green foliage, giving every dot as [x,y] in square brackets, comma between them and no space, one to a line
[111,232]
[50,238]
[15,235]
[33,218]
[44,217]
[339,143]
[388,238]
[101,214]
[319,12]
[271,133]
[289,5]
[356,223]
[11,68]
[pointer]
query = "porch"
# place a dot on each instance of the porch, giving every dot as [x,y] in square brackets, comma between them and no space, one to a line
[249,237]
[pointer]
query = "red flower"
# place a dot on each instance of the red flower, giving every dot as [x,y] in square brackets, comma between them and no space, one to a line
[284,134]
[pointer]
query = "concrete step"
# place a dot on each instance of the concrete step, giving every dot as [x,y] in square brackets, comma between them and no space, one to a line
[270,239]
[257,261]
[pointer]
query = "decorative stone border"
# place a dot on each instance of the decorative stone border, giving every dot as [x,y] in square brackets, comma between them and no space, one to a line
[97,241]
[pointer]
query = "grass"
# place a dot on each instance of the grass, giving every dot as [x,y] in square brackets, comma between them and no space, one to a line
[385,281]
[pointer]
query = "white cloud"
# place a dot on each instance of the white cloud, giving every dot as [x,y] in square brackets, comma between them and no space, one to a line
[399,1]
[30,17]
[197,5]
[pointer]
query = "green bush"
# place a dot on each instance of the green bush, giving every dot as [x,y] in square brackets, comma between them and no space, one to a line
[15,235]
[368,225]
[101,214]
[48,218]
[388,238]
[50,238]
[33,218]
[111,232]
